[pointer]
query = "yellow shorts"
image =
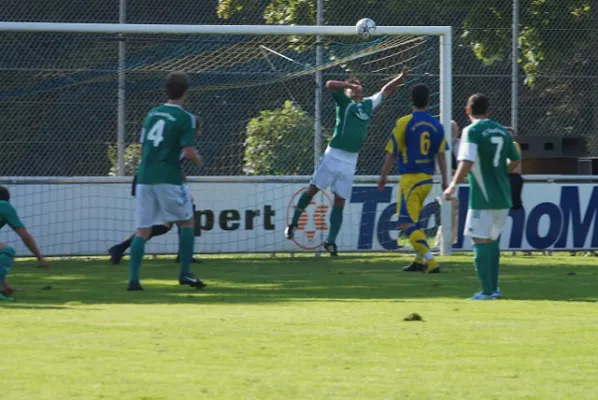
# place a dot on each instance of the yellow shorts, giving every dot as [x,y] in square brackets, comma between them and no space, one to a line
[413,190]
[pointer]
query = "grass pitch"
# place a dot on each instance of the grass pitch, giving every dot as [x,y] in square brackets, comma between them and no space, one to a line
[302,328]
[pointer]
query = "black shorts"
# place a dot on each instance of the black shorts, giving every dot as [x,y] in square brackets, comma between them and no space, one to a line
[516,189]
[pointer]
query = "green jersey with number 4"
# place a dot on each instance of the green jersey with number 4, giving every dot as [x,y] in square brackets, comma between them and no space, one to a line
[167,129]
[489,146]
[352,121]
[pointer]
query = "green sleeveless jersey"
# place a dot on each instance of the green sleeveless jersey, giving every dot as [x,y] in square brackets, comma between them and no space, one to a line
[167,129]
[352,121]
[489,146]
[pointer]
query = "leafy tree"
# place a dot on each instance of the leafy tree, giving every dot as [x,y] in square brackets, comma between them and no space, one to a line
[279,142]
[132,157]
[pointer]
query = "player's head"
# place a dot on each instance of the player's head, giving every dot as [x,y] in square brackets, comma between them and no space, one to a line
[420,95]
[477,106]
[4,194]
[455,130]
[352,94]
[177,84]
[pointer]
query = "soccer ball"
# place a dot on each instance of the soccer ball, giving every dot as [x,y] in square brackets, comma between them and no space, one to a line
[365,28]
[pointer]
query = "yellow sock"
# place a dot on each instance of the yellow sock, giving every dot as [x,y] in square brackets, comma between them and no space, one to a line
[418,241]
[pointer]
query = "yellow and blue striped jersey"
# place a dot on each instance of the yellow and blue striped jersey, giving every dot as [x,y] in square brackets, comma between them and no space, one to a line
[416,140]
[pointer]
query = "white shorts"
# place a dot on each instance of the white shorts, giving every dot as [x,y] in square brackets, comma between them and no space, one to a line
[336,174]
[162,204]
[485,224]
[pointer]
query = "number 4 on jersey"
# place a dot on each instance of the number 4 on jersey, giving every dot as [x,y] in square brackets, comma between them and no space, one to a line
[156,134]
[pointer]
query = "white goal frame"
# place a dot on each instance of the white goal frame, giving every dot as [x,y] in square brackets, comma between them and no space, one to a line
[443,32]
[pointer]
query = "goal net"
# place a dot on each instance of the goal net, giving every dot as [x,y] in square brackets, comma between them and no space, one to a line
[73,98]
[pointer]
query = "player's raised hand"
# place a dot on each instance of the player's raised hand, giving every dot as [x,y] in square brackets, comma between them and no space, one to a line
[382,183]
[404,72]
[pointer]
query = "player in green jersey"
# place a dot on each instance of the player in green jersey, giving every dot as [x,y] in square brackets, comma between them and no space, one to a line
[339,163]
[117,251]
[487,154]
[9,216]
[161,197]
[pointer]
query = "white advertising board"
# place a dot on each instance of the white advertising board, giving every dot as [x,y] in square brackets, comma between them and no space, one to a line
[87,218]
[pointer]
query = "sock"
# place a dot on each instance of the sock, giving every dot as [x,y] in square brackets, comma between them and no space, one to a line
[336,220]
[417,238]
[419,258]
[137,251]
[495,264]
[302,204]
[7,255]
[482,259]
[186,249]
[126,243]
[158,230]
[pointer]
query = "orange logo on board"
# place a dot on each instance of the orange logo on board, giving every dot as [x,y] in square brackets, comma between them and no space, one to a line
[312,228]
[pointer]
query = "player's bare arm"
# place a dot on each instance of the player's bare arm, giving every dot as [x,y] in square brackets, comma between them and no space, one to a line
[513,165]
[29,241]
[389,161]
[339,86]
[462,171]
[192,155]
[388,89]
[441,158]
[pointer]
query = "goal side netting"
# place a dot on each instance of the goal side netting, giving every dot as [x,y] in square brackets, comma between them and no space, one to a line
[73,98]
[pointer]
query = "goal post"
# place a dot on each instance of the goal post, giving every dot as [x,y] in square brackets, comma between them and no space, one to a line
[110,75]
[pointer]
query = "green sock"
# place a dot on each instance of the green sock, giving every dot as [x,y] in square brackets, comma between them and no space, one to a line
[7,255]
[482,259]
[336,220]
[495,264]
[186,248]
[302,204]
[137,251]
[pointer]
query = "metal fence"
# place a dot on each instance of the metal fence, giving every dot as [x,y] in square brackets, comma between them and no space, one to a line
[71,128]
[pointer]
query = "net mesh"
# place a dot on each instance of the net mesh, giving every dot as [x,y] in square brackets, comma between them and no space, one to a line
[59,97]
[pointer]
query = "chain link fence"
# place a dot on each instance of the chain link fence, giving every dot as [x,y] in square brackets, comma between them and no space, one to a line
[58,93]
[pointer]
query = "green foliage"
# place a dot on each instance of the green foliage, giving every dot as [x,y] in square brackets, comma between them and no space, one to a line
[132,157]
[279,142]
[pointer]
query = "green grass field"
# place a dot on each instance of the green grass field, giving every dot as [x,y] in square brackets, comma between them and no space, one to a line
[301,328]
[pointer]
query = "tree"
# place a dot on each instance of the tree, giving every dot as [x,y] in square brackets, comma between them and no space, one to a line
[132,157]
[279,142]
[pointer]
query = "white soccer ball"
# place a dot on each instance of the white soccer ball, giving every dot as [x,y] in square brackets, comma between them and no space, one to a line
[366,28]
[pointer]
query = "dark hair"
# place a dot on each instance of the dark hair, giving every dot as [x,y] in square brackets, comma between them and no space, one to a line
[177,84]
[353,80]
[478,104]
[4,194]
[420,95]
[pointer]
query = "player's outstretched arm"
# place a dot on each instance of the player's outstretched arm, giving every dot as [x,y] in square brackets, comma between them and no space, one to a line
[388,89]
[32,246]
[462,171]
[192,155]
[339,86]
[389,161]
[441,158]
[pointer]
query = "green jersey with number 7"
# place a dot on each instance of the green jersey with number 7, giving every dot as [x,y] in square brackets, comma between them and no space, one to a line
[489,146]
[167,129]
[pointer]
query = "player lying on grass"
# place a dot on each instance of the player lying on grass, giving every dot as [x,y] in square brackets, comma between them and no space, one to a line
[338,166]
[161,196]
[416,143]
[487,155]
[9,216]
[117,252]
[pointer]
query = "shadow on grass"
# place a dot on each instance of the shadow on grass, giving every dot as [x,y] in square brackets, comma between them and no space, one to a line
[260,279]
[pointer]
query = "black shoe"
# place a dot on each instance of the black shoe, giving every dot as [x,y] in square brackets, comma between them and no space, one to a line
[134,286]
[193,260]
[289,232]
[331,248]
[115,255]
[191,280]
[415,267]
